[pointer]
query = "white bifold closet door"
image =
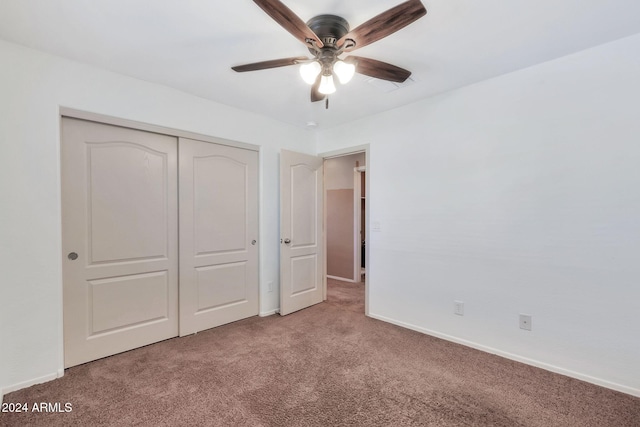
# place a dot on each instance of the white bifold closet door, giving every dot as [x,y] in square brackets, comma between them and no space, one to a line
[125,233]
[119,238]
[218,235]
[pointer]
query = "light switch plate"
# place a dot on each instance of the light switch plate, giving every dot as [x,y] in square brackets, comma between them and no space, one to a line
[458,308]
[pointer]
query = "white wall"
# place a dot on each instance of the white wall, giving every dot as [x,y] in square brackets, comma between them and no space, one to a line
[32,87]
[520,194]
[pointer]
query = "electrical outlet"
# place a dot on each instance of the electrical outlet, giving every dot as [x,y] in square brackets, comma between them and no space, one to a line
[458,308]
[270,286]
[525,322]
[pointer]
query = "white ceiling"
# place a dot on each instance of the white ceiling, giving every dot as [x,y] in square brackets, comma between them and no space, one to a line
[191,44]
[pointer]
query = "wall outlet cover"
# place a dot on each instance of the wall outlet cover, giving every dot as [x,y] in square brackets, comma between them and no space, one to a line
[525,322]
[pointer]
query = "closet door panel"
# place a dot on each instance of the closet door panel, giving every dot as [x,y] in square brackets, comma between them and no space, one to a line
[218,234]
[119,235]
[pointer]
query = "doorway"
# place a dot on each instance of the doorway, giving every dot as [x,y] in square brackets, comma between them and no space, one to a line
[345,219]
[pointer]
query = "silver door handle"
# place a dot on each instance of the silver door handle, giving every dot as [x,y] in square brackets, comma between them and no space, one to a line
[253,242]
[287,241]
[72,256]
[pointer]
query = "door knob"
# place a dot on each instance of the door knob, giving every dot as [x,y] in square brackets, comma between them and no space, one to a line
[287,241]
[72,256]
[253,242]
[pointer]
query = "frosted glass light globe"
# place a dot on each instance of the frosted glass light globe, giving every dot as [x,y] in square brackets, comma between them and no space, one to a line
[344,71]
[309,71]
[327,86]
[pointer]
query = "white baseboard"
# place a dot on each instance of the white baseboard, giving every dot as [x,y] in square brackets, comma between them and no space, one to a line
[268,313]
[532,362]
[29,383]
[342,279]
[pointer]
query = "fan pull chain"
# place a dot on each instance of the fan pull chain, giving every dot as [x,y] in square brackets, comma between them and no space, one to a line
[326,103]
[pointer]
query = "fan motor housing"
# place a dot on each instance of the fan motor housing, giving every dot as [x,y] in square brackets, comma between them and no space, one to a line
[329,28]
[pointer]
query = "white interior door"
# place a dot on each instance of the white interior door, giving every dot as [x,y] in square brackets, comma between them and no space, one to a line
[119,237]
[218,235]
[301,248]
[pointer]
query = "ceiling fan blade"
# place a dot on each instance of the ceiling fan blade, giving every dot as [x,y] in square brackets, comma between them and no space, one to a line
[315,93]
[378,69]
[288,20]
[274,63]
[384,24]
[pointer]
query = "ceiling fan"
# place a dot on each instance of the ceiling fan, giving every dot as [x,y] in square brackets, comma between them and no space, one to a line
[328,36]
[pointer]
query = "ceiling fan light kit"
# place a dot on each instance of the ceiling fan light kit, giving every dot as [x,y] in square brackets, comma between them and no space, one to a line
[329,36]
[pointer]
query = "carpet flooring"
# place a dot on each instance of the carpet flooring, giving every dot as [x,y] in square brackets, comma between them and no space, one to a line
[327,365]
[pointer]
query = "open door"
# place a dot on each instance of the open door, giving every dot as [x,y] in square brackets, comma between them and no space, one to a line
[301,231]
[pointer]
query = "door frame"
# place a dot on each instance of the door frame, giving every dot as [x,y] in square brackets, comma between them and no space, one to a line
[365,148]
[357,220]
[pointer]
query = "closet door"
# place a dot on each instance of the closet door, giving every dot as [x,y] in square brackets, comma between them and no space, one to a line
[119,237]
[218,235]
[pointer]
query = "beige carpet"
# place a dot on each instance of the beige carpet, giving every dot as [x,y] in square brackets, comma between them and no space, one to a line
[327,365]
